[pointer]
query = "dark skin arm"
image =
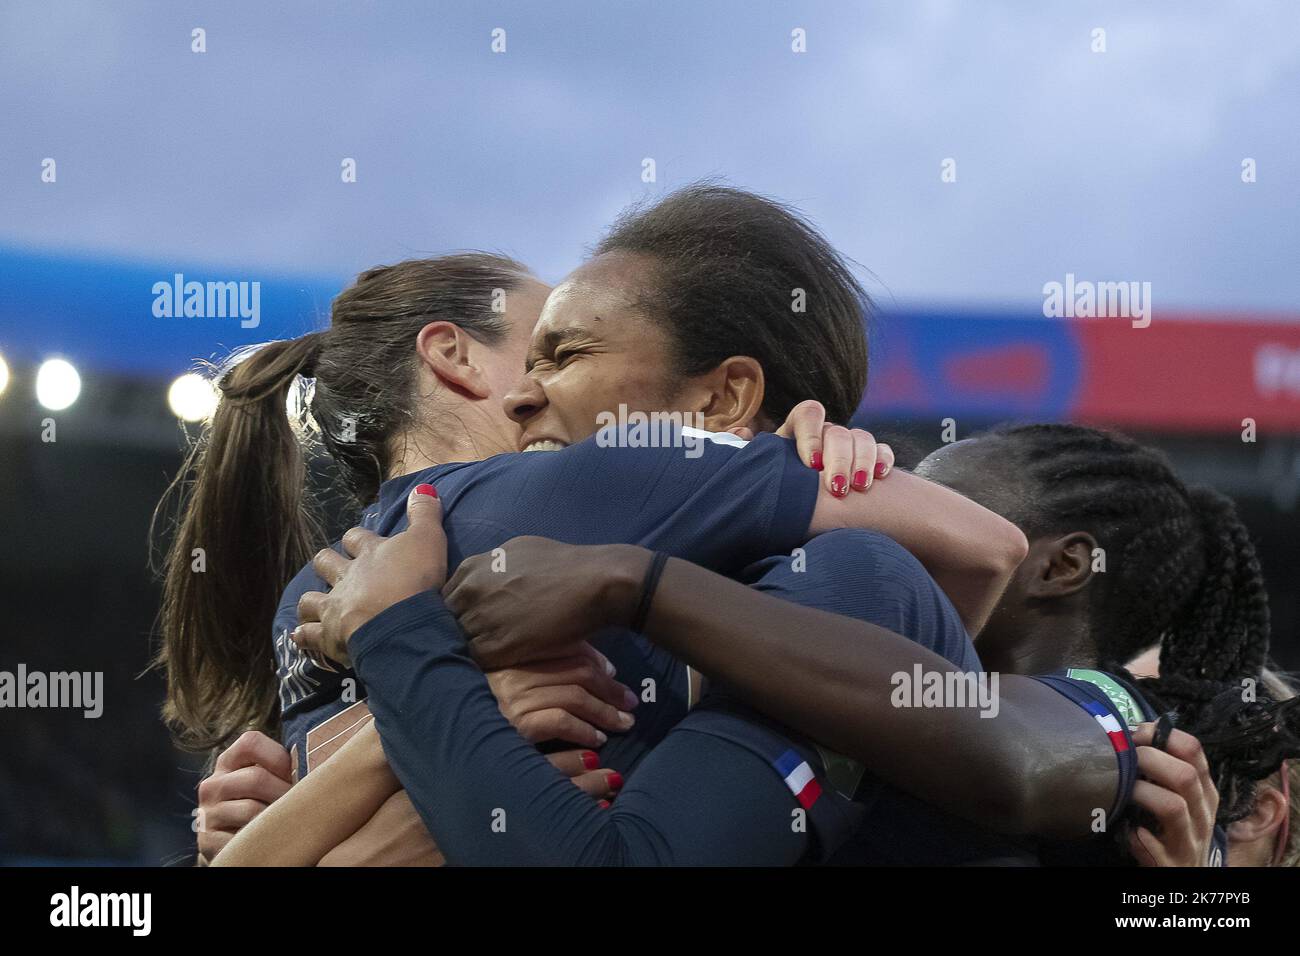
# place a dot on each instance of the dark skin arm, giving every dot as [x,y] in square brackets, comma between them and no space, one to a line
[1041,766]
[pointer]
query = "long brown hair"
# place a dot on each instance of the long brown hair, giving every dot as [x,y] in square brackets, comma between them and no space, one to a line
[245,521]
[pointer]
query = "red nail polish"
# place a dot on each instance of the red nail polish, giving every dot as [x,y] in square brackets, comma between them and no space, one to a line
[604,804]
[426,490]
[839,486]
[817,461]
[860,479]
[590,760]
[614,781]
[880,469]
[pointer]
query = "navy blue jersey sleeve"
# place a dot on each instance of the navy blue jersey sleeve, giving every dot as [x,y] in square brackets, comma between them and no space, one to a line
[490,798]
[718,505]
[320,700]
[1111,714]
[868,576]
[1118,707]
[815,777]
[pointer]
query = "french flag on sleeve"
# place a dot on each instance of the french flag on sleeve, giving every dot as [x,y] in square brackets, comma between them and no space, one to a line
[1118,739]
[799,778]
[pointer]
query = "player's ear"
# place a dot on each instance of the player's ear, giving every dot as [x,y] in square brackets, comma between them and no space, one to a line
[445,350]
[1263,822]
[732,394]
[1061,566]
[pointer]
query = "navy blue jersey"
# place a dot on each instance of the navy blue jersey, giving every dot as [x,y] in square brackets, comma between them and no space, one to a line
[859,574]
[725,508]
[872,579]
[491,798]
[725,786]
[868,576]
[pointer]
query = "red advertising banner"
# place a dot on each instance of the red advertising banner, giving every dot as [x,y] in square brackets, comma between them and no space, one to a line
[1189,372]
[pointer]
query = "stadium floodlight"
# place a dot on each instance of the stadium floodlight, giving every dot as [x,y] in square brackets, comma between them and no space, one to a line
[192,397]
[4,375]
[57,384]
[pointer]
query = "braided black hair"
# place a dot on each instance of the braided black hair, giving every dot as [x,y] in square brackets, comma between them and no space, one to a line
[1181,572]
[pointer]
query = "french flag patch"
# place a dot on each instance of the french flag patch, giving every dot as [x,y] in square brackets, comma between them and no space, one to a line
[799,778]
[1118,739]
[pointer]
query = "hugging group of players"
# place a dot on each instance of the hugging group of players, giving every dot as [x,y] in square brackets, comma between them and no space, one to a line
[549,641]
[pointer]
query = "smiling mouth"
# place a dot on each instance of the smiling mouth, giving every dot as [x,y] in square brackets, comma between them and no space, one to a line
[545,444]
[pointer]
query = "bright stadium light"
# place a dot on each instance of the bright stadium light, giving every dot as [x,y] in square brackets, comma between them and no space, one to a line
[4,375]
[192,397]
[57,384]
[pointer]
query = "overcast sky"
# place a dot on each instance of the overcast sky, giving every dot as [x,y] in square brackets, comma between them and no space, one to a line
[1117,165]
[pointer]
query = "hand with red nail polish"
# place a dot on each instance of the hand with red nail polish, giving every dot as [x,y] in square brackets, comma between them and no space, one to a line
[372,575]
[592,781]
[836,451]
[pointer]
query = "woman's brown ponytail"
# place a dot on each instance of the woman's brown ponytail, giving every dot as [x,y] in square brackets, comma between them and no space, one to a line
[244,524]
[245,529]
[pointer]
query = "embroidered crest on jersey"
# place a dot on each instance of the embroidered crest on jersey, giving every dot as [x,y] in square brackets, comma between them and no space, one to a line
[1120,697]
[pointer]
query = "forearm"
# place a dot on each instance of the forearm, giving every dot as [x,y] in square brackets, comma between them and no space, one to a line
[486,794]
[320,811]
[969,551]
[490,798]
[394,836]
[1039,766]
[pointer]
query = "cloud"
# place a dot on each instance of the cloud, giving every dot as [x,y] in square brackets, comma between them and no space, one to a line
[1117,165]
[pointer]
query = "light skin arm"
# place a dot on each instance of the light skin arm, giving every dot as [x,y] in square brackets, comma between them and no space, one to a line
[568,698]
[394,836]
[320,811]
[352,811]
[970,551]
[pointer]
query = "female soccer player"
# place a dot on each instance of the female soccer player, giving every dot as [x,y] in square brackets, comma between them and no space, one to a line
[1124,555]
